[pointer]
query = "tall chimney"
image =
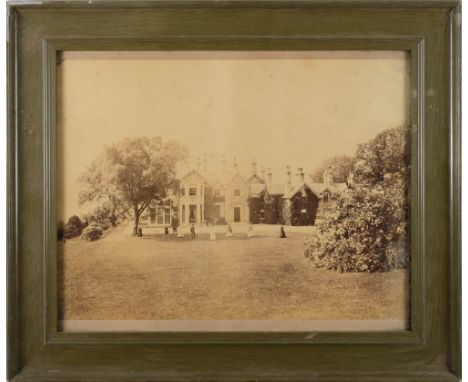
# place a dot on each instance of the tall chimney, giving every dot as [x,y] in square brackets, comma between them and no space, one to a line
[263,172]
[328,176]
[288,174]
[270,175]
[223,163]
[235,165]
[198,164]
[205,163]
[300,174]
[254,167]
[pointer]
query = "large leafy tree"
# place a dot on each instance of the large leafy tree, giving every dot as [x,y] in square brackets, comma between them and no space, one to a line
[341,166]
[131,174]
[384,158]
[369,231]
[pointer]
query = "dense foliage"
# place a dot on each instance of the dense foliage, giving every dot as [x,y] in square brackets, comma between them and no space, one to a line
[132,174]
[71,229]
[368,230]
[104,216]
[303,208]
[256,205]
[92,232]
[341,165]
[273,209]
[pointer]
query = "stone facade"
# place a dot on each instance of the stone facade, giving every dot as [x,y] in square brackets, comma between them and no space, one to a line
[203,198]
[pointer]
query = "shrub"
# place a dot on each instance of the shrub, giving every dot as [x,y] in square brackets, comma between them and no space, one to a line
[366,233]
[73,228]
[105,216]
[104,225]
[92,232]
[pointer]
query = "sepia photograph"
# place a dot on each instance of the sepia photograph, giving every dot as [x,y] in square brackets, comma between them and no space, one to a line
[233,191]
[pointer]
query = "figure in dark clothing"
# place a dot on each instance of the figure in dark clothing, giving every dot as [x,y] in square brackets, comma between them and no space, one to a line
[192,232]
[282,233]
[140,232]
[166,231]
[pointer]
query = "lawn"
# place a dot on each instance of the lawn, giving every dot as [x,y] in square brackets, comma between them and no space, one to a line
[121,277]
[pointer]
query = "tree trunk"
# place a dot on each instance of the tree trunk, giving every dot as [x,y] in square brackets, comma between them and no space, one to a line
[136,221]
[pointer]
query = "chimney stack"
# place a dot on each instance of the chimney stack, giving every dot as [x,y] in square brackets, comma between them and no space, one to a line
[300,174]
[288,174]
[223,163]
[263,172]
[198,164]
[235,165]
[270,175]
[254,167]
[328,176]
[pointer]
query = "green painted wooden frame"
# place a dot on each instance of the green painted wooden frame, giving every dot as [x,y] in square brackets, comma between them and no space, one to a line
[40,30]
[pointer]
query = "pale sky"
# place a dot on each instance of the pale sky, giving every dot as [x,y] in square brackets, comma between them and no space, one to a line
[281,108]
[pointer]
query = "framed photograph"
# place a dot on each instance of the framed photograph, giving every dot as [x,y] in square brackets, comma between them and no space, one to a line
[225,190]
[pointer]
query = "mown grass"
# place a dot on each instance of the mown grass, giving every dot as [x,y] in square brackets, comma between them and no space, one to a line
[265,277]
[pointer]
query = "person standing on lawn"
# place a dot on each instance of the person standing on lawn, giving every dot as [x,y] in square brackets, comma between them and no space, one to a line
[192,231]
[282,233]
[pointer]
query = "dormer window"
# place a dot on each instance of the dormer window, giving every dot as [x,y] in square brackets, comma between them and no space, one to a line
[236,191]
[193,190]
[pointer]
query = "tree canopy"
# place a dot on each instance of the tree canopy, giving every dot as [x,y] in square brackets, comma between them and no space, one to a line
[132,173]
[341,167]
[368,231]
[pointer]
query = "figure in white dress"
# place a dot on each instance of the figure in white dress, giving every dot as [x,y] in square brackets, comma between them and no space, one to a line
[229,231]
[250,232]
[179,232]
[212,233]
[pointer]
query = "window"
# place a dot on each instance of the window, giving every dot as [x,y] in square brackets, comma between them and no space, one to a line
[182,190]
[217,192]
[236,191]
[193,190]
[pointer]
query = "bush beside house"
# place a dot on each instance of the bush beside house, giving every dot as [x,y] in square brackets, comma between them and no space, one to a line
[368,231]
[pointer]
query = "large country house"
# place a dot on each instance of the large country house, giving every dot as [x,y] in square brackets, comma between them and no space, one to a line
[231,197]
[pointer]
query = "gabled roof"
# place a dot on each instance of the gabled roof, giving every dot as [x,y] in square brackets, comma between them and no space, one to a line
[197,174]
[234,176]
[300,186]
[255,179]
